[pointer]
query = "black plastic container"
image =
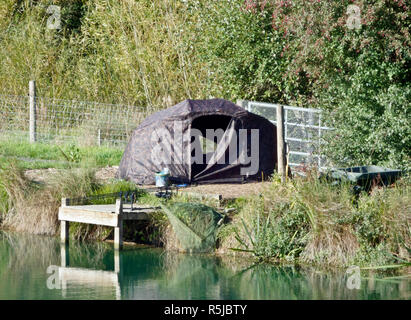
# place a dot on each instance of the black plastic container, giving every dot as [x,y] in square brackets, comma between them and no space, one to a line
[365,176]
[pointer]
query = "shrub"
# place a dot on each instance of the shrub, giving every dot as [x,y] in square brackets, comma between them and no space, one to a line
[302,53]
[312,221]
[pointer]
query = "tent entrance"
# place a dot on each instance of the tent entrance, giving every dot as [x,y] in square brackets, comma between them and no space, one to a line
[208,146]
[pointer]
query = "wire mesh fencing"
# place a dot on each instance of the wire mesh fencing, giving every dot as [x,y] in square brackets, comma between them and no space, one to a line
[69,121]
[304,131]
[92,123]
[14,118]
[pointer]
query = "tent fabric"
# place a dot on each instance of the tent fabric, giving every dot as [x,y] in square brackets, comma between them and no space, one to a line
[164,139]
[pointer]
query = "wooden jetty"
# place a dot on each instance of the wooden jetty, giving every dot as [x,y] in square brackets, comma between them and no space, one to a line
[111,215]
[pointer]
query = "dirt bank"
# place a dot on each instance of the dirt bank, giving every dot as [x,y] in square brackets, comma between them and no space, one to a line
[227,191]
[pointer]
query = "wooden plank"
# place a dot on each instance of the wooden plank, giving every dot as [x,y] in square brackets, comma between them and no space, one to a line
[86,216]
[111,208]
[64,255]
[136,208]
[108,208]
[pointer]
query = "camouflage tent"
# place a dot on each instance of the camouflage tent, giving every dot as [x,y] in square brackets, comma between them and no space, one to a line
[201,141]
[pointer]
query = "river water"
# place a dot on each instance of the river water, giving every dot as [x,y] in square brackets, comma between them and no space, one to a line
[38,267]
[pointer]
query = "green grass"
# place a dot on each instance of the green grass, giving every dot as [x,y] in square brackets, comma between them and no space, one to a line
[41,155]
[311,221]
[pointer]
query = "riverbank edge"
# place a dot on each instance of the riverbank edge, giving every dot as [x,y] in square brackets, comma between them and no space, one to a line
[304,221]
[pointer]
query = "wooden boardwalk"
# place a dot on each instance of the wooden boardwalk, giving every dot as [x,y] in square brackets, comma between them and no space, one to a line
[111,215]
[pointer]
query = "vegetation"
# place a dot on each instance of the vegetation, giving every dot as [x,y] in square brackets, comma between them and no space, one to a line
[311,221]
[156,53]
[304,221]
[43,155]
[31,207]
[303,53]
[112,51]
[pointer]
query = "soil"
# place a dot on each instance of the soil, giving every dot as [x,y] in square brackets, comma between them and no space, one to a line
[229,190]
[103,175]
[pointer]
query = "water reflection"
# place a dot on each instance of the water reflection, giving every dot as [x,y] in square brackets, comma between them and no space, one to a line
[101,279]
[96,271]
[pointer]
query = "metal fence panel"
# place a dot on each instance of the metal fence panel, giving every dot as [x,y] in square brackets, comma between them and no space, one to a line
[303,132]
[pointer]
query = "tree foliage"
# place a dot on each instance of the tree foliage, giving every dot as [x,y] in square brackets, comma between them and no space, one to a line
[157,53]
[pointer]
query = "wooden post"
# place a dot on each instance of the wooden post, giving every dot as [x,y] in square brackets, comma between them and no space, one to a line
[118,268]
[64,231]
[65,202]
[319,142]
[64,225]
[32,125]
[99,137]
[281,142]
[118,261]
[64,254]
[118,236]
[118,231]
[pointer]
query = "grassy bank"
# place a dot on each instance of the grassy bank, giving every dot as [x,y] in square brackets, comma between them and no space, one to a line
[303,221]
[31,207]
[309,221]
[44,155]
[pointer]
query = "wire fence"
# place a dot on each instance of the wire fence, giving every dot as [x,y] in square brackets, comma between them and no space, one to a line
[304,131]
[66,121]
[93,123]
[14,119]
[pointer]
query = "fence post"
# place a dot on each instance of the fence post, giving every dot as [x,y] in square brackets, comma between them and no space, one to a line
[281,142]
[99,137]
[118,231]
[242,103]
[32,125]
[310,138]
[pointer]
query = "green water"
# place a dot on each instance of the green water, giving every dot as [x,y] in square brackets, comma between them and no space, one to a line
[94,271]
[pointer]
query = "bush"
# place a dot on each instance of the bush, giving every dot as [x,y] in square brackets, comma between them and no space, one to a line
[302,53]
[312,221]
[154,54]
